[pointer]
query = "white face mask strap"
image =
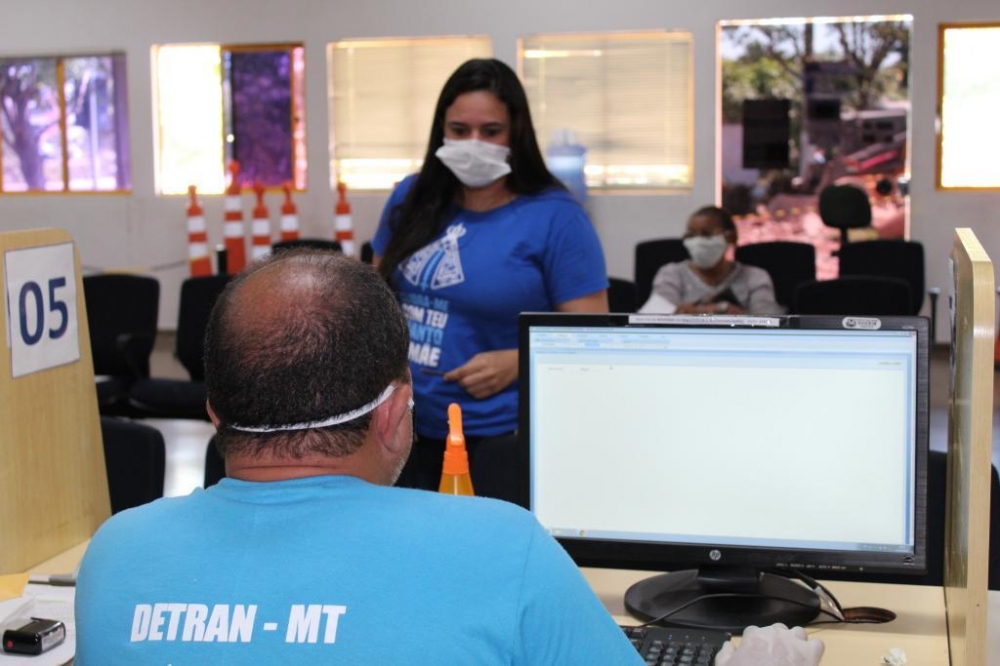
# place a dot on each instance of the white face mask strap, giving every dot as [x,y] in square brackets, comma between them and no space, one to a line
[333,420]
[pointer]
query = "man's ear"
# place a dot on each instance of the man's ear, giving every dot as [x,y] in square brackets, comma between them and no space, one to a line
[211,414]
[391,416]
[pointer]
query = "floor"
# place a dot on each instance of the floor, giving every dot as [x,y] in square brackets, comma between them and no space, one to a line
[187,440]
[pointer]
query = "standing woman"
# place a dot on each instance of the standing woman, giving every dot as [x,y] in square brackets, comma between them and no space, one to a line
[481,234]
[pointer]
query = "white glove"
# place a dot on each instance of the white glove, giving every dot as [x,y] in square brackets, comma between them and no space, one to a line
[776,645]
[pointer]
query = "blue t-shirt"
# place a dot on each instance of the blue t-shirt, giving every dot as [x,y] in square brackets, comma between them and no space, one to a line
[463,292]
[332,569]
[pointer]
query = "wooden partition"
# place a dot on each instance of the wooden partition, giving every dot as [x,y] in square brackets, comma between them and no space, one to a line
[53,484]
[969,450]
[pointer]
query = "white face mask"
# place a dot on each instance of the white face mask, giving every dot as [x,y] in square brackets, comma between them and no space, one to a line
[706,251]
[476,163]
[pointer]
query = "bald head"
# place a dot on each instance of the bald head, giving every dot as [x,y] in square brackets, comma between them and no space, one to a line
[298,338]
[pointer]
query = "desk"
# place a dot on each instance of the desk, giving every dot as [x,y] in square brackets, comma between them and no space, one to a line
[919,628]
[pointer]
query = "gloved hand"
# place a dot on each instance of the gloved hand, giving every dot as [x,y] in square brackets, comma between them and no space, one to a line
[776,645]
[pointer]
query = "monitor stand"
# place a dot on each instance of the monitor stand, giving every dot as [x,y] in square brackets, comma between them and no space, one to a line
[722,598]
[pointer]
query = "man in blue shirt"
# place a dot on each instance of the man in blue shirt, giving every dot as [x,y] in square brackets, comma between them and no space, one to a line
[305,553]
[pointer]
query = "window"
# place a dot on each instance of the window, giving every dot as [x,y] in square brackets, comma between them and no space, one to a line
[628,97]
[64,124]
[968,141]
[218,103]
[382,96]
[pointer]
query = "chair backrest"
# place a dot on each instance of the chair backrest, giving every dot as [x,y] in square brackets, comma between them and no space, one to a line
[367,252]
[122,312]
[888,258]
[844,207]
[621,295]
[312,243]
[198,295]
[135,457]
[853,295]
[650,256]
[788,263]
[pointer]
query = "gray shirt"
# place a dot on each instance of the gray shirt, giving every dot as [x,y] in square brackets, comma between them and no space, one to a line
[676,283]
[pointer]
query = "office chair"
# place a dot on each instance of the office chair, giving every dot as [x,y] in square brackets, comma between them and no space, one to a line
[892,258]
[621,295]
[844,207]
[650,256]
[788,263]
[864,295]
[215,466]
[122,312]
[135,459]
[367,252]
[178,398]
[312,243]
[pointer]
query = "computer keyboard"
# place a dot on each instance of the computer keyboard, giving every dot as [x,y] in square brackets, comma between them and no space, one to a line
[667,646]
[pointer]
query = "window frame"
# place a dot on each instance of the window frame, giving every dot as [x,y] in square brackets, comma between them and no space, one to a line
[689,93]
[940,120]
[60,84]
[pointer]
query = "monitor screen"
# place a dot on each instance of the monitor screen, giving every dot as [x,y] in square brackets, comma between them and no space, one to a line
[736,445]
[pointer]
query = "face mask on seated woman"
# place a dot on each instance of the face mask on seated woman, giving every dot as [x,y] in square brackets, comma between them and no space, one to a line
[706,251]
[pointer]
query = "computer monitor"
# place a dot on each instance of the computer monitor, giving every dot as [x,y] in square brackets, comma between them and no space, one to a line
[748,448]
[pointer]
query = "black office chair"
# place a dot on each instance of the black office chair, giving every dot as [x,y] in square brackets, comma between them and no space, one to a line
[862,295]
[892,258]
[135,459]
[311,243]
[650,256]
[215,466]
[845,207]
[367,252]
[122,312]
[621,295]
[788,263]
[178,398]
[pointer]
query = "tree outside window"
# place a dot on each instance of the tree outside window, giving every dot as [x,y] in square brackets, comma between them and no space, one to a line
[64,124]
[221,103]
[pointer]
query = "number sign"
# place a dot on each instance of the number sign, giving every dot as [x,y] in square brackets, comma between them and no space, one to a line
[41,307]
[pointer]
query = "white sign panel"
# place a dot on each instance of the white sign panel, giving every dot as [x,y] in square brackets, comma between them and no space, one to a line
[41,308]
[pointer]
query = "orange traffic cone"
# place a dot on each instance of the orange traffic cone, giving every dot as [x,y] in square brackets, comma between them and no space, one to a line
[343,227]
[198,257]
[289,216]
[234,233]
[261,228]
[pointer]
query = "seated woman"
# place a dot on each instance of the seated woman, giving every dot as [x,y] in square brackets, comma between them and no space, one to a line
[709,283]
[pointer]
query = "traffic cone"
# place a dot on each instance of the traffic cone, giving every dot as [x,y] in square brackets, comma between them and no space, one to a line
[289,216]
[198,257]
[261,228]
[343,227]
[234,232]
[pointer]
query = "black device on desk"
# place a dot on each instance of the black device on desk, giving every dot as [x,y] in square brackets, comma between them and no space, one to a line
[743,447]
[33,636]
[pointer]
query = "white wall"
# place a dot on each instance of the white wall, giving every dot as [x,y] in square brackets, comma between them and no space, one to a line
[143,230]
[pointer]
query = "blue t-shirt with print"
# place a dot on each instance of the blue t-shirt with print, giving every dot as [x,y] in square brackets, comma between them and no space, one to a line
[463,292]
[335,570]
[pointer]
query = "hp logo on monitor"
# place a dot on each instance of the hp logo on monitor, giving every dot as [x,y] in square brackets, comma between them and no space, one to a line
[715,555]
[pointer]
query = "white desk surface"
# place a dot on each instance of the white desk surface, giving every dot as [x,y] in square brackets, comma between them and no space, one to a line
[919,629]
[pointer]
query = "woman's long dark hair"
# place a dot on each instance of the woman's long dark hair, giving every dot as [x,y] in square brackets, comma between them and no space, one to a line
[424,211]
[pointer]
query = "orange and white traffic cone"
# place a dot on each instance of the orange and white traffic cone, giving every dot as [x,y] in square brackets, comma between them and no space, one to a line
[198,257]
[234,232]
[261,228]
[343,227]
[289,216]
